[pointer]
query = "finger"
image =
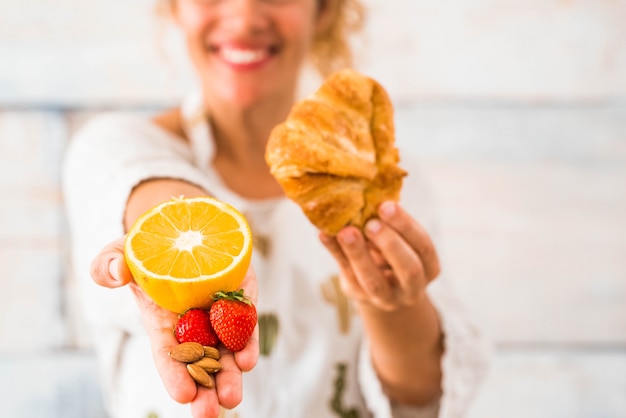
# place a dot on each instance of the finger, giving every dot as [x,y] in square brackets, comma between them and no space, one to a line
[247,358]
[377,256]
[109,267]
[367,274]
[159,324]
[228,381]
[403,261]
[348,281]
[205,404]
[414,233]
[335,250]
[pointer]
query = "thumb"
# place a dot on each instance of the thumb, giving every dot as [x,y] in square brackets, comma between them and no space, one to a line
[109,267]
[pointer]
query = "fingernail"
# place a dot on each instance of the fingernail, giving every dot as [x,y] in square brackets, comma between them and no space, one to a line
[325,238]
[373,226]
[347,236]
[388,209]
[114,268]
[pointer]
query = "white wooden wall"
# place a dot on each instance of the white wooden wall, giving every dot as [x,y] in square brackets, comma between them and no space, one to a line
[516,110]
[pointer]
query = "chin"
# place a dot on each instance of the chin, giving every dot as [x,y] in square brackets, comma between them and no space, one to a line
[245,93]
[244,97]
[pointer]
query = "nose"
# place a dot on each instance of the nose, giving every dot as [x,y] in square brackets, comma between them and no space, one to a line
[244,14]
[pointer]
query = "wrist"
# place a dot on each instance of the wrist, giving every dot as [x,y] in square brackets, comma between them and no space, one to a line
[419,302]
[406,346]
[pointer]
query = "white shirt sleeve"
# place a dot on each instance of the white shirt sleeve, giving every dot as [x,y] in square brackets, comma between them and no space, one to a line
[466,349]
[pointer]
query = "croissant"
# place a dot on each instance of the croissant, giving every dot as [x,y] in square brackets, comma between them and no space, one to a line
[334,155]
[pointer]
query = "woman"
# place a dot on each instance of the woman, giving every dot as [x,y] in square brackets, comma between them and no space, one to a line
[334,341]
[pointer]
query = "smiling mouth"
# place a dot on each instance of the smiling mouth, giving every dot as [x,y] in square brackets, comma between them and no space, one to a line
[239,56]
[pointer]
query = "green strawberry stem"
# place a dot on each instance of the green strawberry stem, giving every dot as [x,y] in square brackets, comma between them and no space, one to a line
[236,295]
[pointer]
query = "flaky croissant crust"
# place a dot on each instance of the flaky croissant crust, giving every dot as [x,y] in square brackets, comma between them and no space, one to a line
[334,155]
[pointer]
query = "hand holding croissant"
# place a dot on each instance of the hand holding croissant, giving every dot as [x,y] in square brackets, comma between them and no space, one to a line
[335,157]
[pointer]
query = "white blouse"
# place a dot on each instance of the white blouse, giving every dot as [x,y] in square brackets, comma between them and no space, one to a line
[314,361]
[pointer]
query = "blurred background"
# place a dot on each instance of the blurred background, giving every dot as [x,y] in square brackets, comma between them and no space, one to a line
[516,110]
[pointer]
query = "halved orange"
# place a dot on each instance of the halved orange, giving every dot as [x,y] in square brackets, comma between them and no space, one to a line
[184,250]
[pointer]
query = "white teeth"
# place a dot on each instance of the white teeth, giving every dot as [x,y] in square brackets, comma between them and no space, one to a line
[243,56]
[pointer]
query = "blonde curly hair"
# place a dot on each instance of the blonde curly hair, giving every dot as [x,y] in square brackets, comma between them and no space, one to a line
[331,49]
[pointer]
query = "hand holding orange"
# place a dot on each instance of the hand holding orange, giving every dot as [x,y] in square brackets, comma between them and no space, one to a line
[184,250]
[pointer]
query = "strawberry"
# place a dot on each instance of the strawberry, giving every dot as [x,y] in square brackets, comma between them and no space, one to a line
[233,317]
[195,325]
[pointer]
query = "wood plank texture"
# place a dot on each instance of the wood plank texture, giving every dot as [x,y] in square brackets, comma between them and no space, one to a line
[532,204]
[115,52]
[50,385]
[554,384]
[31,231]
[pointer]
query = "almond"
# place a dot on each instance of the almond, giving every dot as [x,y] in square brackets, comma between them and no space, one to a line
[211,352]
[200,376]
[209,364]
[187,352]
